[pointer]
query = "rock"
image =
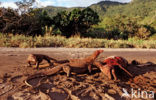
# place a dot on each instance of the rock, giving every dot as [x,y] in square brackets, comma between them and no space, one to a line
[109,97]
[1,81]
[111,91]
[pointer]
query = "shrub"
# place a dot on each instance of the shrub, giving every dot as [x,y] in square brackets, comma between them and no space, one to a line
[143,33]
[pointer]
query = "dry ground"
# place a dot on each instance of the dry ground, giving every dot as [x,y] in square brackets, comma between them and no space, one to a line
[95,86]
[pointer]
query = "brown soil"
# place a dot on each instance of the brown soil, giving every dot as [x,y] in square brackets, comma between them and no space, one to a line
[95,86]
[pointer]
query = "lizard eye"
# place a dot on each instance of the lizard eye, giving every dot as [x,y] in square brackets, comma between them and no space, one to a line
[104,63]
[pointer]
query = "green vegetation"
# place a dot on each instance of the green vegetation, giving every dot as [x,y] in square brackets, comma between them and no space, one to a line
[36,21]
[123,27]
[105,24]
[30,23]
[76,22]
[121,20]
[72,42]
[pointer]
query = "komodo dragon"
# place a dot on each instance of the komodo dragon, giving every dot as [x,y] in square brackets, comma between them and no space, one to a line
[38,58]
[74,65]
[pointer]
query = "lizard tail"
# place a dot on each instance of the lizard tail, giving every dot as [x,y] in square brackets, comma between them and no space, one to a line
[125,70]
[44,73]
[62,61]
[39,75]
[53,70]
[53,59]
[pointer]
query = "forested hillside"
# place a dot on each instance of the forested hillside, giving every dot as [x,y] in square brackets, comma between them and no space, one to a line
[121,20]
[100,7]
[145,9]
[106,19]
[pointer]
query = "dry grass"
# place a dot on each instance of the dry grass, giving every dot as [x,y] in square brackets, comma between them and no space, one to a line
[73,42]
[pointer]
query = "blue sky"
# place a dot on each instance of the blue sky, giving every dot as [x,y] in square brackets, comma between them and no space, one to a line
[63,3]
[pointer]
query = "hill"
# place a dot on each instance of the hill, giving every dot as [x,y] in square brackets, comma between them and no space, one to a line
[145,9]
[104,6]
[100,7]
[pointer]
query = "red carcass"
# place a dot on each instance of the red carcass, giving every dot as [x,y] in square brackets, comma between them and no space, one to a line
[107,66]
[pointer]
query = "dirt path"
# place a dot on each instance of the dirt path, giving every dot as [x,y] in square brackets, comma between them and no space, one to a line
[85,87]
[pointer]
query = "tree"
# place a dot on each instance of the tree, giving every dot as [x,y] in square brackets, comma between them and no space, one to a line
[9,19]
[75,22]
[88,18]
[25,5]
[61,21]
[40,19]
[31,23]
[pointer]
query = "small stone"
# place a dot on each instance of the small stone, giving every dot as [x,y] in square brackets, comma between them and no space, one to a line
[1,81]
[109,97]
[111,91]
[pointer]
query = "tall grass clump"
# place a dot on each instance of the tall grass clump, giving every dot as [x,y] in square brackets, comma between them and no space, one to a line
[4,41]
[77,42]
[50,41]
[21,41]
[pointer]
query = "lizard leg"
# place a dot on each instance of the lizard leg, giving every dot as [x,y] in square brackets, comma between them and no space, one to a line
[37,65]
[109,74]
[29,64]
[66,69]
[107,71]
[48,60]
[113,73]
[89,68]
[125,70]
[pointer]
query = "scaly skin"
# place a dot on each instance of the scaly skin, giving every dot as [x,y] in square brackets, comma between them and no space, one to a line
[107,66]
